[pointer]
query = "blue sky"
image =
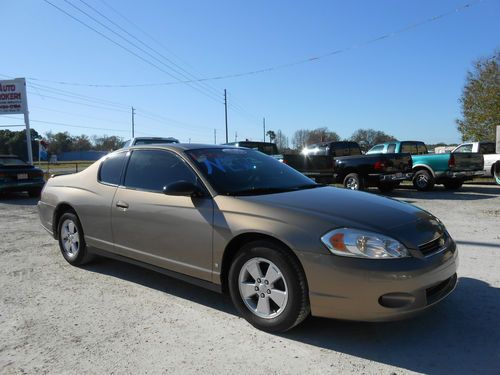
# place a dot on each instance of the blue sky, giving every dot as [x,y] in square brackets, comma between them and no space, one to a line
[407,85]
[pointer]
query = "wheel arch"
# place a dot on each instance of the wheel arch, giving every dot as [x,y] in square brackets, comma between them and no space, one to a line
[233,247]
[60,209]
[423,167]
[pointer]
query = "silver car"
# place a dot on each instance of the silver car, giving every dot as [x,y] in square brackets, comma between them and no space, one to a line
[240,222]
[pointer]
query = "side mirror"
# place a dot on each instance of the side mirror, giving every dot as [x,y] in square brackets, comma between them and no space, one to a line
[183,189]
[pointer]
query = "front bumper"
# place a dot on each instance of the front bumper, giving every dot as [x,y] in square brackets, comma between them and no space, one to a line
[378,290]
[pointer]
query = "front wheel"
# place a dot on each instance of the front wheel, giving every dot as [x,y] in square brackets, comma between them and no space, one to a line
[423,181]
[496,172]
[268,287]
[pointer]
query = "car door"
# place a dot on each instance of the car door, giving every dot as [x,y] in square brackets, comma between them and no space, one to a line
[172,232]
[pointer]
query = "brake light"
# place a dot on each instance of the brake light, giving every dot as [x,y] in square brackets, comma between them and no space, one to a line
[379,165]
[451,161]
[3,175]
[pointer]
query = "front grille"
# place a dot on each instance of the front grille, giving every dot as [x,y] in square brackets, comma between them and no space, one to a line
[433,246]
[441,290]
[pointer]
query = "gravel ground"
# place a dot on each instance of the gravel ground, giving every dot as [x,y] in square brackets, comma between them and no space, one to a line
[110,317]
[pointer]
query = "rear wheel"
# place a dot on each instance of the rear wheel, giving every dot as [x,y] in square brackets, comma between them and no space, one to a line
[268,287]
[423,181]
[354,181]
[453,184]
[72,241]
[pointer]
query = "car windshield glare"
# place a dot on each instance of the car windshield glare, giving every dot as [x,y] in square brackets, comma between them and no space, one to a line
[236,171]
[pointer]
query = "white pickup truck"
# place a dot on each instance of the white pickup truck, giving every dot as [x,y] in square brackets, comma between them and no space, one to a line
[491,159]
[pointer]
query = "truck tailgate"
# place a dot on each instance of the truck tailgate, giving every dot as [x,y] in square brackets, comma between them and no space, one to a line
[467,161]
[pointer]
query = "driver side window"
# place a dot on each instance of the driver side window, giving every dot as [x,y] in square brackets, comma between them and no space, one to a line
[464,148]
[151,170]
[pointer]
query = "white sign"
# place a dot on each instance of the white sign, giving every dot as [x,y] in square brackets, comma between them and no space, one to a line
[13,96]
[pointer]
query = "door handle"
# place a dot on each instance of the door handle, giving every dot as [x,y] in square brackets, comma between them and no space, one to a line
[122,204]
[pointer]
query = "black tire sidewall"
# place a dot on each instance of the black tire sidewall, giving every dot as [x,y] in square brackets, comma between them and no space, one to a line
[267,250]
[357,178]
[430,181]
[82,251]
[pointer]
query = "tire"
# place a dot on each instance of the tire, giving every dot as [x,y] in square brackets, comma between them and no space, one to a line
[496,172]
[268,261]
[35,193]
[386,187]
[72,240]
[354,181]
[453,184]
[423,181]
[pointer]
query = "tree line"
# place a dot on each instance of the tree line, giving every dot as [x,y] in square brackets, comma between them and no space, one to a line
[14,142]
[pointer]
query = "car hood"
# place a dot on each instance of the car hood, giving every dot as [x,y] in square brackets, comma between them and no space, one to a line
[347,208]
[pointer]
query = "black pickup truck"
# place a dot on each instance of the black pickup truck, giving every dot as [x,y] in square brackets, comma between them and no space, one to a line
[343,162]
[384,171]
[318,160]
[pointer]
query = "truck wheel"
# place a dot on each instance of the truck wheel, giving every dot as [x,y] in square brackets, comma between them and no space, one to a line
[496,172]
[353,181]
[453,184]
[423,181]
[386,187]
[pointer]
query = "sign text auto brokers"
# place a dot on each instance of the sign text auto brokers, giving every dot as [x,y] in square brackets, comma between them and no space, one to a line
[12,98]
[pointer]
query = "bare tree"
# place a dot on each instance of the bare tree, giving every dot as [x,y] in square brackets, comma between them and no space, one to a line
[281,141]
[367,138]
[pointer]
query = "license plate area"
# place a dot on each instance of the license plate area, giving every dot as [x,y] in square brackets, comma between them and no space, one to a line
[22,176]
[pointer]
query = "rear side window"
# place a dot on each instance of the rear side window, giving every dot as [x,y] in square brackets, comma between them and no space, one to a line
[111,168]
[151,170]
[391,149]
[378,148]
[465,148]
[487,148]
[354,148]
[409,148]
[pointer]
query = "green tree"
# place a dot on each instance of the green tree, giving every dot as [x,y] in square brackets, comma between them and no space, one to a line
[107,143]
[59,142]
[480,100]
[272,135]
[14,142]
[367,138]
[81,143]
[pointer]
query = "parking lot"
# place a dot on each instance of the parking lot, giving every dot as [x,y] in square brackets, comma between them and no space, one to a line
[110,317]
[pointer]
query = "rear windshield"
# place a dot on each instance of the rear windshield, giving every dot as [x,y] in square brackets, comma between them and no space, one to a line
[11,161]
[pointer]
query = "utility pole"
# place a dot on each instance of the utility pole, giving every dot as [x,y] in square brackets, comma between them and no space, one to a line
[225,111]
[215,136]
[133,125]
[264,124]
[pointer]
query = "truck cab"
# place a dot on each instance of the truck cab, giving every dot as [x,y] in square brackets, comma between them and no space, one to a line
[491,158]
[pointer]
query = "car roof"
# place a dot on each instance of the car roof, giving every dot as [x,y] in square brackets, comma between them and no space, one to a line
[9,156]
[180,146]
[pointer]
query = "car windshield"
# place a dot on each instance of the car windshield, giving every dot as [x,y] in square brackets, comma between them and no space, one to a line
[236,171]
[11,161]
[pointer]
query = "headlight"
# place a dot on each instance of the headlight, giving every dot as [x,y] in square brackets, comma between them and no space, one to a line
[363,244]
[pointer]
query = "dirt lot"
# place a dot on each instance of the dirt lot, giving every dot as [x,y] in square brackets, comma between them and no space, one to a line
[111,317]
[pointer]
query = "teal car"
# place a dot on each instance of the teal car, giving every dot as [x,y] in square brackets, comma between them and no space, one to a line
[450,169]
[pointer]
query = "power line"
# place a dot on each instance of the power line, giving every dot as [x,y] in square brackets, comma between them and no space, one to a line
[121,45]
[293,63]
